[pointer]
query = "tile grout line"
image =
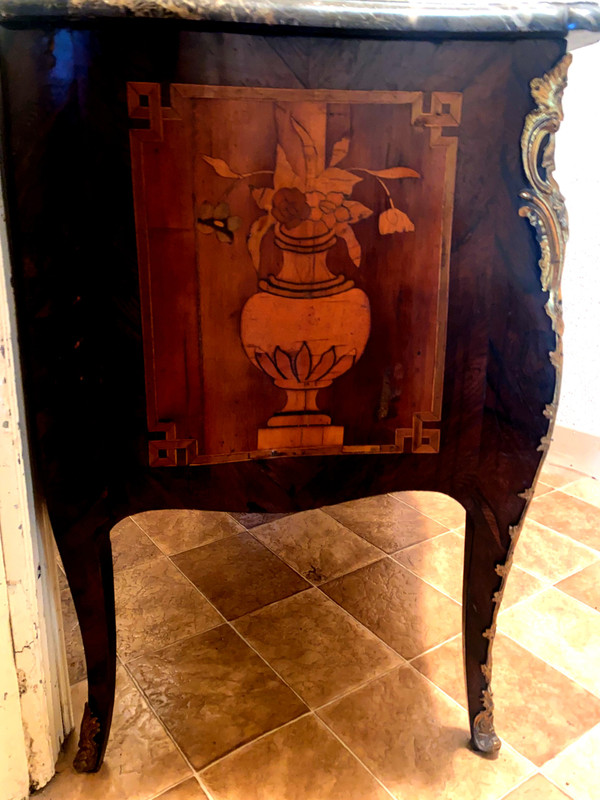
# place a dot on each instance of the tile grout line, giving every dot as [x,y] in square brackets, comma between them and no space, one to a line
[226,622]
[354,755]
[521,783]
[553,781]
[434,647]
[465,711]
[345,611]
[576,599]
[414,508]
[246,745]
[431,585]
[204,544]
[355,688]
[561,535]
[550,664]
[159,720]
[361,685]
[316,585]
[169,788]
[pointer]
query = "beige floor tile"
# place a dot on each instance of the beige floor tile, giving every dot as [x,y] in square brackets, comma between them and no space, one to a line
[539,711]
[549,555]
[584,585]
[176,530]
[560,630]
[316,545]
[542,488]
[520,585]
[188,790]
[214,693]
[385,522]
[439,561]
[414,739]
[568,515]
[73,642]
[141,760]
[251,519]
[436,505]
[575,770]
[130,546]
[239,575]
[400,608]
[302,761]
[587,489]
[318,649]
[537,788]
[556,476]
[156,606]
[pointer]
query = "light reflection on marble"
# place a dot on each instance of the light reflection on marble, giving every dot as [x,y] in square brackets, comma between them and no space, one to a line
[539,716]
[464,16]
[413,738]
[576,769]
[561,631]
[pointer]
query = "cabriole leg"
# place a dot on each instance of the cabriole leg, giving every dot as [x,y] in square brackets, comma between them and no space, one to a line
[88,566]
[488,551]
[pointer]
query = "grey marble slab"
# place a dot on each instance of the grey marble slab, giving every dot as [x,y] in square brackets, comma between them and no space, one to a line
[578,21]
[399,16]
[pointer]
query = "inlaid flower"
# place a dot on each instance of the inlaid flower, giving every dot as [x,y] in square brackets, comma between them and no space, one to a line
[290,207]
[392,220]
[308,197]
[217,219]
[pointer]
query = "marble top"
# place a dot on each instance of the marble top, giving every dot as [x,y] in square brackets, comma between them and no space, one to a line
[401,16]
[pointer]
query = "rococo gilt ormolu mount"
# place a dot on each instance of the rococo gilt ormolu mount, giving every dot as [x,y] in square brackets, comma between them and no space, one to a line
[278,257]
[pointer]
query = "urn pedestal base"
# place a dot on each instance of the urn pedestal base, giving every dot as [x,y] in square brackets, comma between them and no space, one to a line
[300,436]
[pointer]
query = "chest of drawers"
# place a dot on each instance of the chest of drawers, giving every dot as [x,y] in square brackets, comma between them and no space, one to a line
[269,260]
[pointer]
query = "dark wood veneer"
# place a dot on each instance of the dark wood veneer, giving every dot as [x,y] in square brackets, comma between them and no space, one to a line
[72,229]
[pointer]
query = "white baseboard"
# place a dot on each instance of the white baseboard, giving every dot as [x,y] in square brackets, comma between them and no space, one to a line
[575,449]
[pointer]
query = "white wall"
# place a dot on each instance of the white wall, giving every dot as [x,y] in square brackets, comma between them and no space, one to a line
[578,174]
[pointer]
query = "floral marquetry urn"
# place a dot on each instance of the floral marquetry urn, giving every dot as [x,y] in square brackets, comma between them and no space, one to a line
[306,325]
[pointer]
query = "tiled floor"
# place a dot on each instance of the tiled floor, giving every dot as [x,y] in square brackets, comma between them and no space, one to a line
[317,656]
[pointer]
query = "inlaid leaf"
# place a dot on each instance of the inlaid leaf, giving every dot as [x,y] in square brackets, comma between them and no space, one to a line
[221,211]
[340,151]
[334,179]
[221,167]
[233,223]
[284,176]
[357,210]
[393,172]
[345,362]
[283,362]
[302,363]
[255,236]
[205,211]
[354,251]
[267,365]
[325,363]
[309,149]
[263,197]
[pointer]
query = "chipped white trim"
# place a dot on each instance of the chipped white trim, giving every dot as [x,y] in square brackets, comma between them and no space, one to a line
[32,655]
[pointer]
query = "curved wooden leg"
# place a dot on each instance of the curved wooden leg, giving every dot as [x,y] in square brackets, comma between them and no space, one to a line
[88,566]
[488,551]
